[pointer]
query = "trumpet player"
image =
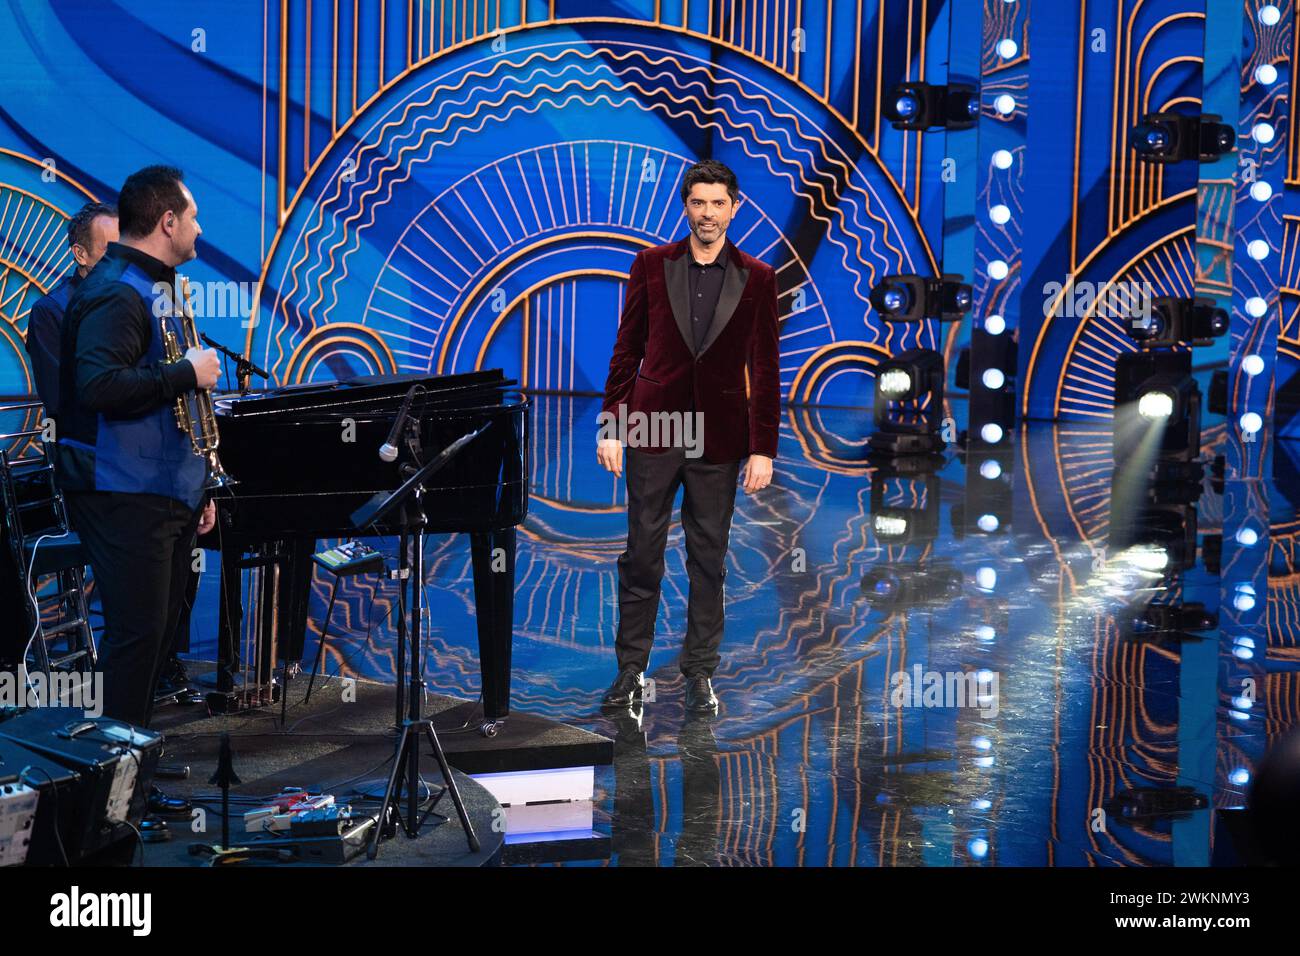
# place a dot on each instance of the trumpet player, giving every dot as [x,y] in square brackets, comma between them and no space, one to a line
[134,485]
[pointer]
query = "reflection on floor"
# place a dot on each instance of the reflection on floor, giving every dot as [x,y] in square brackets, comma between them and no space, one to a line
[970,666]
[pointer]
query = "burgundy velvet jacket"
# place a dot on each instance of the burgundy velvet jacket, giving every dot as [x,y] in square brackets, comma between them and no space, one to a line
[655,367]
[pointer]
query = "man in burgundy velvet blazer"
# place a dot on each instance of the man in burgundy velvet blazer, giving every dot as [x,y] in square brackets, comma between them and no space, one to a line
[697,341]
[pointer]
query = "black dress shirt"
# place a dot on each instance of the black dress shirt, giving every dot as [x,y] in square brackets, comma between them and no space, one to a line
[44,334]
[706,286]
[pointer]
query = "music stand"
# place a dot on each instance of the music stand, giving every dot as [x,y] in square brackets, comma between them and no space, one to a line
[406,759]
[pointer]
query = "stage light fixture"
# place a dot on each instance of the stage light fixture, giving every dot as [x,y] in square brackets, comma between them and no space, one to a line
[1160,538]
[923,106]
[896,383]
[913,584]
[1149,804]
[914,298]
[1159,386]
[908,408]
[918,522]
[1156,404]
[1158,531]
[1133,629]
[1174,137]
[1173,320]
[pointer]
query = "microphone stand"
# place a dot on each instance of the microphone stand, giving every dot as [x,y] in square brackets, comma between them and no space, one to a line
[405,772]
[244,369]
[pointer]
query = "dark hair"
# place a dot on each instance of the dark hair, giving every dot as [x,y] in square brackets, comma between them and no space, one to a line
[146,196]
[79,224]
[710,171]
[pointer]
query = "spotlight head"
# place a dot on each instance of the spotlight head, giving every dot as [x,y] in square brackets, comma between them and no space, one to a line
[962,107]
[1164,398]
[1151,327]
[1183,616]
[1157,404]
[1155,389]
[912,584]
[913,375]
[899,298]
[1159,539]
[1215,139]
[908,405]
[896,298]
[958,298]
[881,586]
[890,525]
[1158,138]
[904,507]
[896,383]
[1170,320]
[923,106]
[1215,321]
[914,298]
[908,104]
[1174,137]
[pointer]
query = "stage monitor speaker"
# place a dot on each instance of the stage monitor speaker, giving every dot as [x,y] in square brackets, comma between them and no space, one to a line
[114,761]
[38,803]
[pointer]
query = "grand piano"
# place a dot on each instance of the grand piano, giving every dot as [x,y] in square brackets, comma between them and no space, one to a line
[305,457]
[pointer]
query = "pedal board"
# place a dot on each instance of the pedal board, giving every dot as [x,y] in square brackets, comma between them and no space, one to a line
[349,558]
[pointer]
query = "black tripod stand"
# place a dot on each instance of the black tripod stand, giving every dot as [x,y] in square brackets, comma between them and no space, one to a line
[405,774]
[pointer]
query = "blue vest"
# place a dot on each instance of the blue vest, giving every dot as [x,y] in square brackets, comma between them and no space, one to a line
[148,454]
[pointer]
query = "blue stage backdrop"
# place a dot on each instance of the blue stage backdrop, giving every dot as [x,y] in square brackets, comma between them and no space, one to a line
[440,185]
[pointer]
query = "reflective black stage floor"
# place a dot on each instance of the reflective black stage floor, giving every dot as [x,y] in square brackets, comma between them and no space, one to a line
[982,665]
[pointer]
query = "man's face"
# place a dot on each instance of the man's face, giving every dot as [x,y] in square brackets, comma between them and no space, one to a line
[183,230]
[709,211]
[103,230]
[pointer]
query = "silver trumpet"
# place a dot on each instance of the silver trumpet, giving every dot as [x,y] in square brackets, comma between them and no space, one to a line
[195,414]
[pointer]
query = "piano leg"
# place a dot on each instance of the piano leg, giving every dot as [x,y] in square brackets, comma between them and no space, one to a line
[230,618]
[493,554]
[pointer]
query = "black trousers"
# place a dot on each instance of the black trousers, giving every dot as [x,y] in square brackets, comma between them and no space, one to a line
[634,830]
[140,551]
[707,506]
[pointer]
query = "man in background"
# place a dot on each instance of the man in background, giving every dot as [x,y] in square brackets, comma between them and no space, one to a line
[89,232]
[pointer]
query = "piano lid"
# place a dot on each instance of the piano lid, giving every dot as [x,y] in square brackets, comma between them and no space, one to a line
[376,392]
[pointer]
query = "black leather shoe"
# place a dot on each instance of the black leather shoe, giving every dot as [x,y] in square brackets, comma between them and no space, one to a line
[700,698]
[154,830]
[174,674]
[163,805]
[627,689]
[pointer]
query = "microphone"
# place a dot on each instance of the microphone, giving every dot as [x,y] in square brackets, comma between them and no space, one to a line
[388,450]
[232,354]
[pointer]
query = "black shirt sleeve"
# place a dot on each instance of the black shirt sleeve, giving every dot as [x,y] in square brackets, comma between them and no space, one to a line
[43,334]
[112,336]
